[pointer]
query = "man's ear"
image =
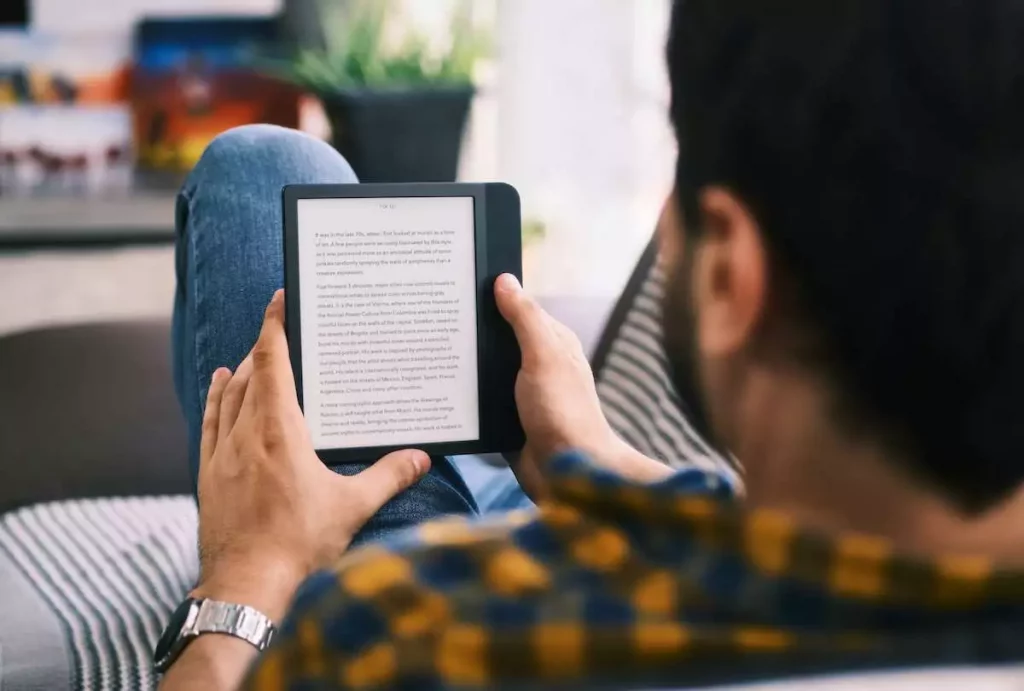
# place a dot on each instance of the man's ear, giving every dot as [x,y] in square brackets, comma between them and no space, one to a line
[670,232]
[730,274]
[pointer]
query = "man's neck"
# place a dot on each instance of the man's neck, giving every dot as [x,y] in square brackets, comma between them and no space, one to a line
[798,461]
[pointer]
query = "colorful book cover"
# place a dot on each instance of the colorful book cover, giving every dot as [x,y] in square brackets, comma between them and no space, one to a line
[195,78]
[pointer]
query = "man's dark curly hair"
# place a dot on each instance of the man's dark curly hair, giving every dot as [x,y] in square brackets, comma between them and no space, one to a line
[880,146]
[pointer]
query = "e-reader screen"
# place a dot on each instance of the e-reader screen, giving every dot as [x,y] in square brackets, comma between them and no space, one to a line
[388,319]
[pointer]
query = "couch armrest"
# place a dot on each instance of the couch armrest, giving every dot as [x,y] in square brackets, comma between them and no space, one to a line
[89,411]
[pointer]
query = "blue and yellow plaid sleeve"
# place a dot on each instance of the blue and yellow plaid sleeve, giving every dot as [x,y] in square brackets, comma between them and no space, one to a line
[614,583]
[480,604]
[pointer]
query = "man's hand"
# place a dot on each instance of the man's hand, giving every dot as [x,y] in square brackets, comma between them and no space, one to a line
[557,398]
[270,512]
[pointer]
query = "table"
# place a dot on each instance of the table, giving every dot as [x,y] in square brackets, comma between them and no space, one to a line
[139,218]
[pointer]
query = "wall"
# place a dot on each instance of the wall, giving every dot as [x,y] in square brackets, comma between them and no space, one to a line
[583,132]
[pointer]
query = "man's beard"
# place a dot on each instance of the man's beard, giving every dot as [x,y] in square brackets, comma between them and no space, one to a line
[679,324]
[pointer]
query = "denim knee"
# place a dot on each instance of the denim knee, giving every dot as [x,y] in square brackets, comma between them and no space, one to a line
[271,155]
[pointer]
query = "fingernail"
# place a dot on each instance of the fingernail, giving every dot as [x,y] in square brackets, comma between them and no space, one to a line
[421,461]
[278,296]
[508,282]
[216,373]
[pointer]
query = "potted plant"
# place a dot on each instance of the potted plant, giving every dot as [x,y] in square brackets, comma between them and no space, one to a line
[397,109]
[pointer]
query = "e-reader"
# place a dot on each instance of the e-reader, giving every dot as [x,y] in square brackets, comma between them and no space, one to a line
[395,338]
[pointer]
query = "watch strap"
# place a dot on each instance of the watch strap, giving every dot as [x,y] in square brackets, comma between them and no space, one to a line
[213,616]
[240,621]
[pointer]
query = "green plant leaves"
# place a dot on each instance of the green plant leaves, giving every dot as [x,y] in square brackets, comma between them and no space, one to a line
[356,55]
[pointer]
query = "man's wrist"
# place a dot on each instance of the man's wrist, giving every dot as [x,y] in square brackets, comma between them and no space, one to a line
[641,468]
[210,662]
[265,585]
[619,457]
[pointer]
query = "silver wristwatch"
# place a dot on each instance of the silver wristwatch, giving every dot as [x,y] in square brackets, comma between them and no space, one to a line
[196,617]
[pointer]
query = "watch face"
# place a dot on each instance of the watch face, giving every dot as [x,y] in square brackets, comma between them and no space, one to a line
[163,646]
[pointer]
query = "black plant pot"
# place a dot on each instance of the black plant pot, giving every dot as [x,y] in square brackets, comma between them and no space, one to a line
[400,135]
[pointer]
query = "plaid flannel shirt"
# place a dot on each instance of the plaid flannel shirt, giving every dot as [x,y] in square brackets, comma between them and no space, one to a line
[617,585]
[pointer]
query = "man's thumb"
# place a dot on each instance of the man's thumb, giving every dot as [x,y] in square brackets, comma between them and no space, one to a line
[523,314]
[390,476]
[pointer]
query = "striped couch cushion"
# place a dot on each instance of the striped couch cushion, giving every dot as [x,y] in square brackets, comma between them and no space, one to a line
[634,384]
[108,573]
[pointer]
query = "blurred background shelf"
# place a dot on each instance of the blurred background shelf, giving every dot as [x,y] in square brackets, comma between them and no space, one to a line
[576,119]
[65,222]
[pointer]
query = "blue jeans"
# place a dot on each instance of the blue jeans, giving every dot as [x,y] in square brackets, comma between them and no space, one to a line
[229,261]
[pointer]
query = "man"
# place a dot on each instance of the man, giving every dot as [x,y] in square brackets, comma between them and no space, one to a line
[844,314]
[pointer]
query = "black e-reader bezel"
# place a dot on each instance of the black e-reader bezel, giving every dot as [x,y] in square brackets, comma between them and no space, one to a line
[498,241]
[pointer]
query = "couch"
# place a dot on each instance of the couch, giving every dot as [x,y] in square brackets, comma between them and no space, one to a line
[97,521]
